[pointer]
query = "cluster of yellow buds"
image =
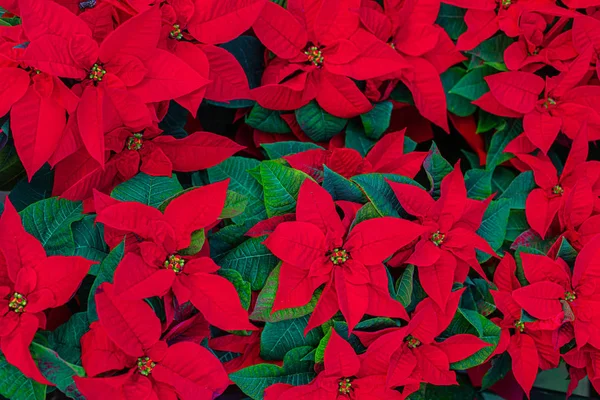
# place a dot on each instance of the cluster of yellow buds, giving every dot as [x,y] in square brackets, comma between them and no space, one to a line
[345,386]
[314,55]
[176,32]
[175,262]
[438,238]
[17,302]
[97,73]
[338,256]
[145,365]
[135,141]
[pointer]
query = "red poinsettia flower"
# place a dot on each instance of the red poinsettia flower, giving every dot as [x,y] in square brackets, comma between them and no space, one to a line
[315,250]
[387,156]
[529,345]
[446,249]
[584,362]
[409,28]
[345,375]
[410,355]
[559,296]
[157,268]
[127,339]
[228,80]
[319,46]
[38,103]
[117,77]
[564,107]
[536,48]
[130,151]
[550,199]
[485,17]
[30,282]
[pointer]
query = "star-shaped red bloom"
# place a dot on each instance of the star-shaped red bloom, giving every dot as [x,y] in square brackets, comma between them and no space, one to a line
[446,250]
[30,282]
[410,355]
[127,339]
[315,250]
[559,296]
[345,376]
[156,267]
[530,344]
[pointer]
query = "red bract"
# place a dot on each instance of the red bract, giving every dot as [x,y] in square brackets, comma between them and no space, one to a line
[345,375]
[411,355]
[210,23]
[38,103]
[319,46]
[157,268]
[130,151]
[583,362]
[446,249]
[564,106]
[315,251]
[556,295]
[30,282]
[247,346]
[387,156]
[127,339]
[409,28]
[485,17]
[550,199]
[529,345]
[117,77]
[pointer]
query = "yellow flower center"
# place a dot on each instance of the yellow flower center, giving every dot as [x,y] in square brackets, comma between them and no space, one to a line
[145,365]
[314,55]
[345,386]
[175,263]
[17,302]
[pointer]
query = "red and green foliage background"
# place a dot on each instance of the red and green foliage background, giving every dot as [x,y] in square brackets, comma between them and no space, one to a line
[301,199]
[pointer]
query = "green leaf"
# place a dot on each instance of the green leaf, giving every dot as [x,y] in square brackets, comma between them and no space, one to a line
[236,169]
[567,252]
[277,338]
[341,188]
[472,86]
[376,121]
[317,123]
[281,185]
[235,204]
[404,286]
[457,105]
[436,168]
[452,19]
[197,241]
[50,222]
[493,225]
[241,286]
[89,240]
[280,149]
[381,194]
[266,297]
[517,224]
[11,169]
[105,274]
[16,386]
[27,192]
[501,179]
[255,379]
[146,189]
[66,338]
[500,139]
[471,322]
[320,353]
[267,120]
[500,367]
[57,370]
[518,190]
[486,122]
[226,238]
[357,139]
[492,50]
[252,260]
[368,211]
[478,183]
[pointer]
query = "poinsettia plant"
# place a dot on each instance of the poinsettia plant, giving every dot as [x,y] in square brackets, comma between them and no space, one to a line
[298,199]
